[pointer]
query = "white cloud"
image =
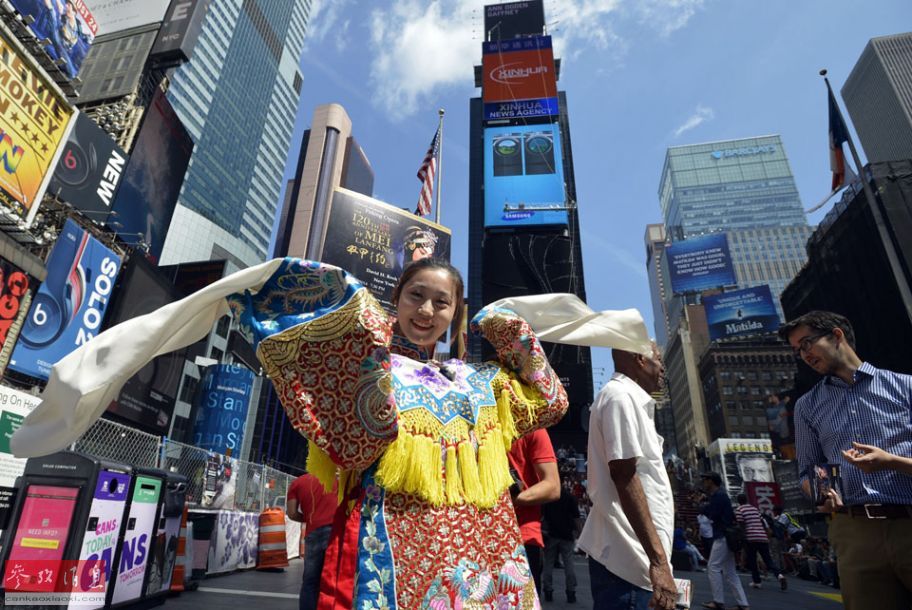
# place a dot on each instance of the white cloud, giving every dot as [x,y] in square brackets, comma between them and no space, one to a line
[700,115]
[324,19]
[421,47]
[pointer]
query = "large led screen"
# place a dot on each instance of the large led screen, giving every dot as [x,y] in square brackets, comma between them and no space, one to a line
[511,19]
[700,263]
[70,305]
[68,26]
[519,79]
[152,181]
[741,312]
[222,402]
[524,169]
[34,121]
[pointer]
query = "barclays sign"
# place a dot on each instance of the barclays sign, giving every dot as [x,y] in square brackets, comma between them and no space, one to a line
[742,152]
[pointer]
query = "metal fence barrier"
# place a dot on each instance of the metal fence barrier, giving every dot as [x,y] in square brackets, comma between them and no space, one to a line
[256,486]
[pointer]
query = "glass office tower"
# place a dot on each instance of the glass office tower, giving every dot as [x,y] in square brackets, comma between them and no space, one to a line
[721,186]
[238,98]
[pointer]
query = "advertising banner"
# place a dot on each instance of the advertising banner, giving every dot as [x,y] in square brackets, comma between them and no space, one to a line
[519,79]
[180,30]
[89,170]
[44,524]
[33,122]
[164,554]
[219,482]
[235,542]
[763,495]
[750,311]
[740,461]
[105,518]
[512,19]
[68,26]
[524,167]
[134,554]
[14,290]
[147,398]
[68,309]
[700,263]
[153,179]
[117,15]
[221,411]
[14,406]
[374,241]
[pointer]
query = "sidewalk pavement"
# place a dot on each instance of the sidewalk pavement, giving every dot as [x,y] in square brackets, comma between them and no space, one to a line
[279,591]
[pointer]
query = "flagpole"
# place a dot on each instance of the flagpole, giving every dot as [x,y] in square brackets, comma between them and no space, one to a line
[440,112]
[905,294]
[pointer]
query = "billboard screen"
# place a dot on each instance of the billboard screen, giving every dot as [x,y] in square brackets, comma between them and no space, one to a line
[763,495]
[150,186]
[89,169]
[512,19]
[117,15]
[700,263]
[69,306]
[14,288]
[750,311]
[69,28]
[32,127]
[524,166]
[180,30]
[147,399]
[374,241]
[519,80]
[221,410]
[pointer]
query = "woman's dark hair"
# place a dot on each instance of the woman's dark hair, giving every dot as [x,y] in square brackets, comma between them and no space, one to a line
[436,263]
[821,322]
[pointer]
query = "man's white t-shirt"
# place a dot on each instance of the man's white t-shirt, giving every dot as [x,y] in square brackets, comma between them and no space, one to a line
[622,426]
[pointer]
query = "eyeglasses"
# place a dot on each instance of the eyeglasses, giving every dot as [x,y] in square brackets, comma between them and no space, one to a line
[806,343]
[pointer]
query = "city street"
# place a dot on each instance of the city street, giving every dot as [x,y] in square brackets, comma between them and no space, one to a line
[279,590]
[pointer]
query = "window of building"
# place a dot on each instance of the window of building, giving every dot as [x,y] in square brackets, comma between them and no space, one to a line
[726,391]
[189,389]
[216,354]
[224,324]
[733,420]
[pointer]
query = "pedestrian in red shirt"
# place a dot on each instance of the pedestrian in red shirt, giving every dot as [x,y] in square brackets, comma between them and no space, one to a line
[533,461]
[312,506]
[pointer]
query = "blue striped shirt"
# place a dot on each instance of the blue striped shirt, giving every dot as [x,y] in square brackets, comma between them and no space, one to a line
[875,410]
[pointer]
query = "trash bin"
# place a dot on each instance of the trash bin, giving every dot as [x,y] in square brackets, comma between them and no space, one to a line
[164,549]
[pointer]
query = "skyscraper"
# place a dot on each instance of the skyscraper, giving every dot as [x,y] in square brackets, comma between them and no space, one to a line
[744,188]
[237,97]
[522,190]
[878,95]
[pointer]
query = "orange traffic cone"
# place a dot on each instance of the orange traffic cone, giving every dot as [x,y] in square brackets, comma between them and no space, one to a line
[180,563]
[272,552]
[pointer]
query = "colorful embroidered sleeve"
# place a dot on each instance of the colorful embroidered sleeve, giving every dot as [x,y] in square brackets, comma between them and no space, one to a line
[533,391]
[324,341]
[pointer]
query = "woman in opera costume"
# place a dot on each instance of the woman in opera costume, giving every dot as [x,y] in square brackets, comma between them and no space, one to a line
[419,447]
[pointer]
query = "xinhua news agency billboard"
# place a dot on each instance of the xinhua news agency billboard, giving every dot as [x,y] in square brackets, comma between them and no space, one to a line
[512,19]
[524,167]
[750,311]
[221,413]
[34,120]
[67,25]
[70,305]
[519,79]
[374,241]
[700,263]
[89,170]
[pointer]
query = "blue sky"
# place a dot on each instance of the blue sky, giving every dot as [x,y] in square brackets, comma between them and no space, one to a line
[640,76]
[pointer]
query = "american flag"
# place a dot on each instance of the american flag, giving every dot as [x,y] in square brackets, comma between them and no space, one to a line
[426,174]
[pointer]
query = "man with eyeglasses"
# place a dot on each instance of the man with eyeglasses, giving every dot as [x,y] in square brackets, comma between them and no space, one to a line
[860,418]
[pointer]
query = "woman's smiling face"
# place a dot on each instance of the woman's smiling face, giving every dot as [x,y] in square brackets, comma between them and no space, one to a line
[426,306]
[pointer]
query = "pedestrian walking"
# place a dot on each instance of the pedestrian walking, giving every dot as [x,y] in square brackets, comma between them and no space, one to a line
[313,506]
[721,565]
[562,525]
[757,542]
